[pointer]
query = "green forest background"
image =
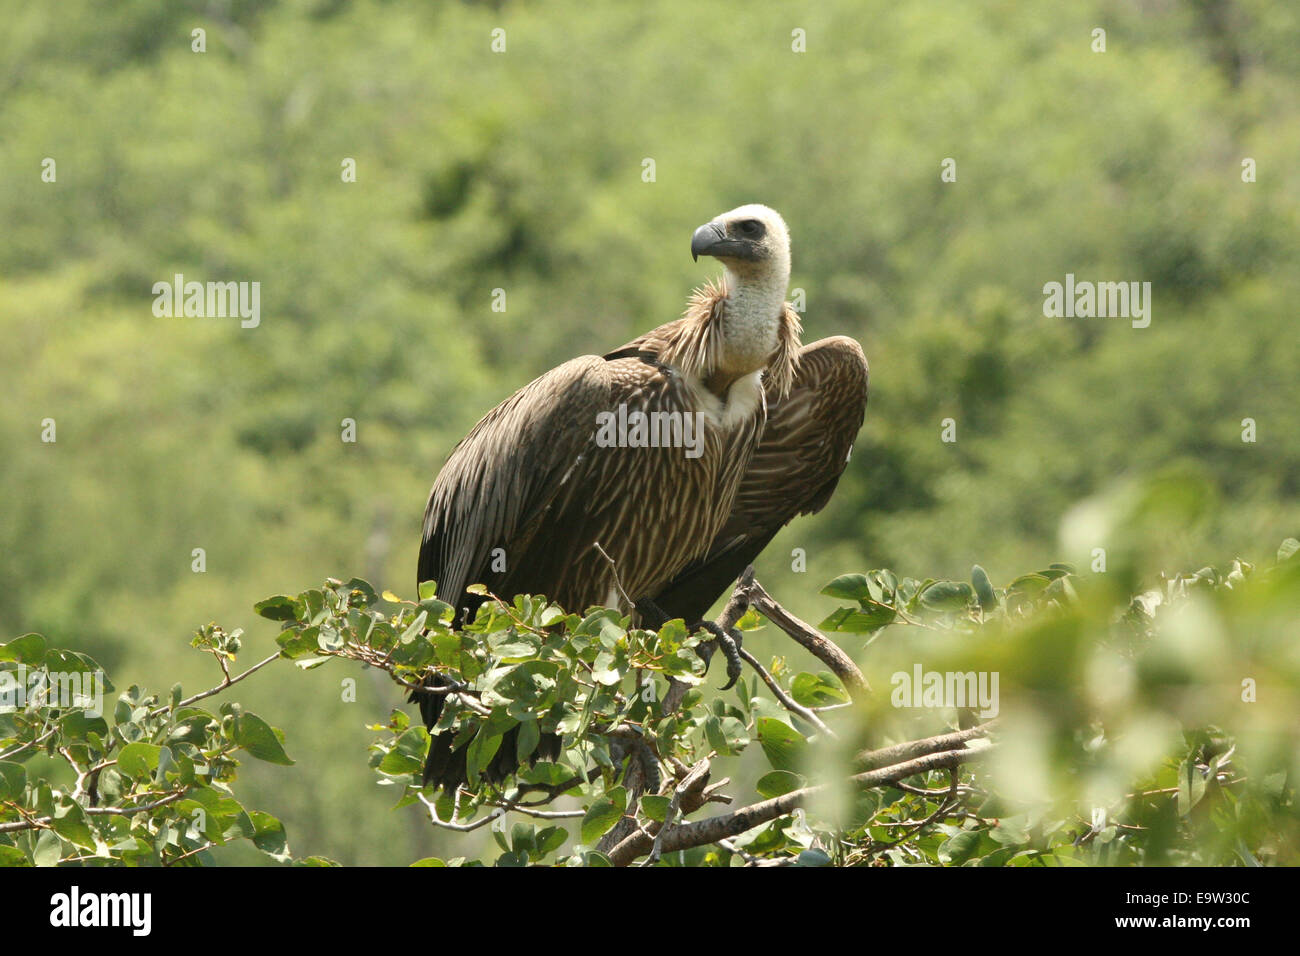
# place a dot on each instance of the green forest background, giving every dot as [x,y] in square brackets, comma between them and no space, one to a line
[522,171]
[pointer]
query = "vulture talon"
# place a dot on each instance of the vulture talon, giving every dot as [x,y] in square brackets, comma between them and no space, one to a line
[730,642]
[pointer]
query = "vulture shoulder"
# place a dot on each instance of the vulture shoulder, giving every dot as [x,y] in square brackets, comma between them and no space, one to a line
[505,473]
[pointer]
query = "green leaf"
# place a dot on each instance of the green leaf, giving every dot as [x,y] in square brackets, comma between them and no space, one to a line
[70,823]
[984,592]
[1011,831]
[13,781]
[813,858]
[870,617]
[523,837]
[429,861]
[438,610]
[48,849]
[12,856]
[269,836]
[1288,548]
[817,690]
[28,649]
[655,806]
[368,594]
[551,839]
[529,735]
[407,754]
[1029,583]
[852,587]
[948,595]
[481,751]
[605,670]
[784,746]
[428,589]
[416,626]
[327,639]
[776,783]
[281,607]
[447,649]
[298,643]
[713,733]
[960,847]
[514,646]
[255,735]
[138,761]
[1191,786]
[191,730]
[603,814]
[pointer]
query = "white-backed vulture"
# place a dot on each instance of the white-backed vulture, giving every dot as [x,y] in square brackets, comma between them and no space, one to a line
[529,500]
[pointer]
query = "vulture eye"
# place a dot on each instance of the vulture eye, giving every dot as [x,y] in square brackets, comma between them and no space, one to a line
[752,229]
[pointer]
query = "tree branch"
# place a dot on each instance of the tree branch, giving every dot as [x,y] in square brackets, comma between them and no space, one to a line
[870,759]
[703,832]
[808,637]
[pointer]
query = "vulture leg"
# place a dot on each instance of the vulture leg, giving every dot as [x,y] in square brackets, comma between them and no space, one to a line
[730,641]
[805,448]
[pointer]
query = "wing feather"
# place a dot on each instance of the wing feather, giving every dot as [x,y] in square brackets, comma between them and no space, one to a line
[507,471]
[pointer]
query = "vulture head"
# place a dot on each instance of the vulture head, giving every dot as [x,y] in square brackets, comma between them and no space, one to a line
[750,241]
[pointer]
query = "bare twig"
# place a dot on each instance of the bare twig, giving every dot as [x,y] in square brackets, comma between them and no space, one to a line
[788,702]
[627,601]
[36,742]
[460,827]
[528,811]
[189,853]
[226,682]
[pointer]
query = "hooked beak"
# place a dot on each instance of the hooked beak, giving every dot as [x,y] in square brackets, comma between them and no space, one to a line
[708,240]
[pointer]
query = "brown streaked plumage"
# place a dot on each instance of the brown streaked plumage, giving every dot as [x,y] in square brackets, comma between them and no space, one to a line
[805,448]
[526,497]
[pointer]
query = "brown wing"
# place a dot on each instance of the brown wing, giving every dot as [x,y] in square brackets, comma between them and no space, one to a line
[494,491]
[506,472]
[804,450]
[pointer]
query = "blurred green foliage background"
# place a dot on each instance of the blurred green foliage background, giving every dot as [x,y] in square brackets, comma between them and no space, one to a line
[522,171]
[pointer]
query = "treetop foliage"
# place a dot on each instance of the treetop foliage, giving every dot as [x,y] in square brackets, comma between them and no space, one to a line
[1157,728]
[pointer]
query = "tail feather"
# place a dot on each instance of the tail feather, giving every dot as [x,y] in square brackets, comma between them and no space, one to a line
[447,768]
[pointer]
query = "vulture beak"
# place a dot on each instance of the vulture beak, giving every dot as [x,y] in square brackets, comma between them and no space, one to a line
[709,240]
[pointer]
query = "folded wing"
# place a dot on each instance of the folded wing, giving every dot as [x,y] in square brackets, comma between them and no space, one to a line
[501,480]
[804,450]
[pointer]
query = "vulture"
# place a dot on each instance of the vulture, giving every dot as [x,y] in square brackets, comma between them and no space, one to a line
[564,490]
